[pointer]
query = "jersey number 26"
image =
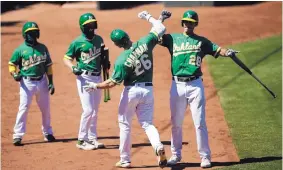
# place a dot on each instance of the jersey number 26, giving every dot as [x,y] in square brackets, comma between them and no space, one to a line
[142,64]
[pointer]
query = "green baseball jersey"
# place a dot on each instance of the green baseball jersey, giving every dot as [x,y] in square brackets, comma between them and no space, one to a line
[187,53]
[32,61]
[135,65]
[86,52]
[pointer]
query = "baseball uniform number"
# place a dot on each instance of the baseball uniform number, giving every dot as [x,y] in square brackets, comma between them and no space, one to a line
[142,64]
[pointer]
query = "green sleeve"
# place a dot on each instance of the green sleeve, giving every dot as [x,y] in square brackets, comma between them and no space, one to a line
[119,73]
[16,57]
[211,48]
[150,40]
[48,61]
[72,52]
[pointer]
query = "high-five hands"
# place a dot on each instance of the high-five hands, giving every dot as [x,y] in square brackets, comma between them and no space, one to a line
[90,86]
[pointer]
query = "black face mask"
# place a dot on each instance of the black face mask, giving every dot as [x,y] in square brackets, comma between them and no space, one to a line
[89,30]
[31,37]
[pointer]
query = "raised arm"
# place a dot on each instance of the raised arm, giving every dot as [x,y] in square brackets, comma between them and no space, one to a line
[164,15]
[157,27]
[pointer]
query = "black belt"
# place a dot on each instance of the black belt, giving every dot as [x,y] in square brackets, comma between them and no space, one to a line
[92,73]
[185,79]
[145,84]
[33,78]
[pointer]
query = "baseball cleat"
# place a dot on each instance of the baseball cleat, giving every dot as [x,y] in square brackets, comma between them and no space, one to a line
[174,160]
[85,145]
[97,144]
[17,142]
[162,160]
[49,138]
[205,163]
[123,164]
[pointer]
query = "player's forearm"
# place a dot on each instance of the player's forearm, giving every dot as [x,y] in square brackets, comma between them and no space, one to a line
[50,74]
[106,84]
[68,63]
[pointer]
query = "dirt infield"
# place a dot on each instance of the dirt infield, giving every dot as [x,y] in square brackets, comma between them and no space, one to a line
[59,27]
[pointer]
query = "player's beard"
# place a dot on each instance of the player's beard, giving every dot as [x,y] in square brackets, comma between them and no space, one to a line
[90,34]
[31,39]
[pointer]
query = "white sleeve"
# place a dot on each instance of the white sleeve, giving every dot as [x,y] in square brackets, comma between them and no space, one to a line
[157,27]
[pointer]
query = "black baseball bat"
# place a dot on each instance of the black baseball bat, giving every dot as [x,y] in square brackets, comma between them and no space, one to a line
[244,67]
[106,54]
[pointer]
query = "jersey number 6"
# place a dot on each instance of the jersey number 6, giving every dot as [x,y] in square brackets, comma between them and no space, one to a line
[142,64]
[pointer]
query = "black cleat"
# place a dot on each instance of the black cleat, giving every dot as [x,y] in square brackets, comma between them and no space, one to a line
[17,142]
[49,138]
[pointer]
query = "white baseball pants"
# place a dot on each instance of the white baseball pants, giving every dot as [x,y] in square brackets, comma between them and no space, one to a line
[90,103]
[183,94]
[136,99]
[29,88]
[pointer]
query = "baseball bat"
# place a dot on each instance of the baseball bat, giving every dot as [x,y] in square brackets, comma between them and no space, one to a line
[106,54]
[103,71]
[244,67]
[104,90]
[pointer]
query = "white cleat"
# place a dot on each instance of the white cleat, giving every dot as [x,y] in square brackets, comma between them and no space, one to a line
[162,160]
[123,164]
[97,144]
[85,145]
[174,160]
[205,163]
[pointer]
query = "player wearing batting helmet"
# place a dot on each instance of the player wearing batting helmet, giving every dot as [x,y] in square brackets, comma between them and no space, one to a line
[35,65]
[187,51]
[134,67]
[87,49]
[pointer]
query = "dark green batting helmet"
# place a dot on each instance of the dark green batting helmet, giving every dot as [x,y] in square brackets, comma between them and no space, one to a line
[30,26]
[119,37]
[191,16]
[87,18]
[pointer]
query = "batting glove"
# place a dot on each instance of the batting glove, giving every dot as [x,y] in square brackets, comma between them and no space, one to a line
[17,77]
[77,71]
[231,53]
[164,15]
[144,15]
[90,86]
[51,88]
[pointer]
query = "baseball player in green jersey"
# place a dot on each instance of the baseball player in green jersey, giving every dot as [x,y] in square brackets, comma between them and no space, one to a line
[34,62]
[134,66]
[87,49]
[187,51]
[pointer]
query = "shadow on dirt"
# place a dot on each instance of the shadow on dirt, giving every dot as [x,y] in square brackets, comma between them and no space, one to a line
[66,140]
[137,145]
[10,23]
[181,166]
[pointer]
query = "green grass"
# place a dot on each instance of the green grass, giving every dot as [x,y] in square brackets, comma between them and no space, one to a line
[253,116]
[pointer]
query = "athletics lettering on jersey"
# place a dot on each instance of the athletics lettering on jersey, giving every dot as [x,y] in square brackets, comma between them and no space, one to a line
[93,54]
[86,52]
[133,57]
[187,53]
[184,48]
[33,61]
